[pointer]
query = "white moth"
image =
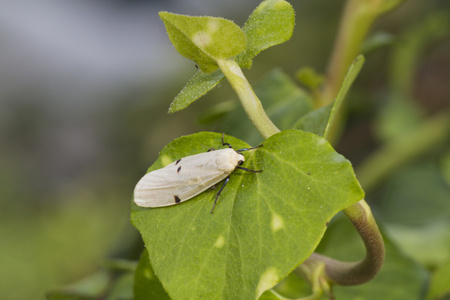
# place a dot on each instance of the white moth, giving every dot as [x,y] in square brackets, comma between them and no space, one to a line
[188,176]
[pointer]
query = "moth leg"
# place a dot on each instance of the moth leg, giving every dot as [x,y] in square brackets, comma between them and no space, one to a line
[218,193]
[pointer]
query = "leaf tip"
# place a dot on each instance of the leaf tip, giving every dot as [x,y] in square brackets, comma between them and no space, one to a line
[164,14]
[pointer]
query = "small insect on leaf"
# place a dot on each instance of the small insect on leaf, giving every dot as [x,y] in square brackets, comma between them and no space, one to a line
[189,176]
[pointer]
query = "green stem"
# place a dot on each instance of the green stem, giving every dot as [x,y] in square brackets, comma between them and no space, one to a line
[358,17]
[352,31]
[354,273]
[250,102]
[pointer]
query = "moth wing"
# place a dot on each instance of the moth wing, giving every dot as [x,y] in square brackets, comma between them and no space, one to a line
[178,182]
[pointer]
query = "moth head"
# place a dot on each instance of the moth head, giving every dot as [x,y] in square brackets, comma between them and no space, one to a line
[228,160]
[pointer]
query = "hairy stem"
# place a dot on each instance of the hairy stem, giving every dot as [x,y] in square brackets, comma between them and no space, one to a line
[250,102]
[354,273]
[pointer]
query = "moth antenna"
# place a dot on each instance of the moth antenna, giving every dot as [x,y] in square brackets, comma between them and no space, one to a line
[209,148]
[223,142]
[248,170]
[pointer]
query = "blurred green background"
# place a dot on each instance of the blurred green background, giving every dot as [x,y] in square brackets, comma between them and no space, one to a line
[84,93]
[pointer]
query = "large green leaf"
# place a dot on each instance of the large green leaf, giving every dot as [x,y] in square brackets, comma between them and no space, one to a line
[270,24]
[204,39]
[265,224]
[416,208]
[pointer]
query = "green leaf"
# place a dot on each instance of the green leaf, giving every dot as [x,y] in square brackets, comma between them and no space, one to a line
[440,284]
[91,287]
[316,121]
[113,282]
[399,278]
[218,111]
[378,40]
[309,77]
[204,39]
[445,166]
[146,284]
[122,288]
[398,116]
[320,120]
[197,86]
[264,225]
[270,24]
[415,204]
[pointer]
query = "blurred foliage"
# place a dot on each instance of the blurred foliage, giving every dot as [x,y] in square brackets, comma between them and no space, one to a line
[56,229]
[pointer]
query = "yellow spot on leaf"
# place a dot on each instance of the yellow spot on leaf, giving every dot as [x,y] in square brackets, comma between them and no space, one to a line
[202,39]
[277,223]
[213,26]
[219,242]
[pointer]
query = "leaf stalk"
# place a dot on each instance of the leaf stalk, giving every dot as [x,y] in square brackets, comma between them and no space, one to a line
[355,273]
[250,102]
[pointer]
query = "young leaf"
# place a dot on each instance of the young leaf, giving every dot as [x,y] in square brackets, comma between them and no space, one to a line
[316,121]
[265,224]
[439,285]
[309,77]
[204,39]
[197,86]
[270,24]
[320,120]
[91,287]
[122,288]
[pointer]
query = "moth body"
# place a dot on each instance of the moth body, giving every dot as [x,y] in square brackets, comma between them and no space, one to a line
[186,178]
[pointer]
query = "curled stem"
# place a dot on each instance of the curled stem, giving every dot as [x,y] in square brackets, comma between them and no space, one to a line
[250,102]
[354,273]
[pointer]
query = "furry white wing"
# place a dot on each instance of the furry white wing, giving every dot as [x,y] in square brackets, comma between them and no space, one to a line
[180,180]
